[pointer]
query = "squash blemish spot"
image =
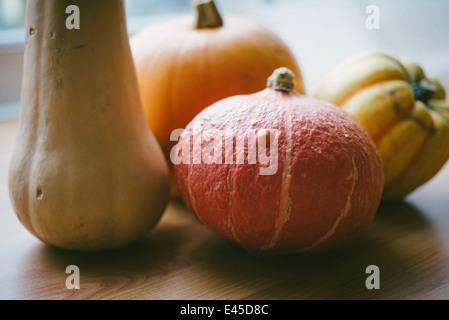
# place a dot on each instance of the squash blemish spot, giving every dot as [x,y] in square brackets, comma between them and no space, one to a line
[32,31]
[39,193]
[397,109]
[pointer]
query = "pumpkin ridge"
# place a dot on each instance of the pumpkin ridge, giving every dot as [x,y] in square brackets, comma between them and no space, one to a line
[343,214]
[388,130]
[361,89]
[230,222]
[284,207]
[171,93]
[378,76]
[189,187]
[398,120]
[398,179]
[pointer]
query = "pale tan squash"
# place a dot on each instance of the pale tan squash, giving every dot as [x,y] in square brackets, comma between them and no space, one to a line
[86,173]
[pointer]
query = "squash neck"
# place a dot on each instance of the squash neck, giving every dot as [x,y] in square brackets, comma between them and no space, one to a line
[77,71]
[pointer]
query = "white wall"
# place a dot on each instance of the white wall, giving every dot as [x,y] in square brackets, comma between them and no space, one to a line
[321,33]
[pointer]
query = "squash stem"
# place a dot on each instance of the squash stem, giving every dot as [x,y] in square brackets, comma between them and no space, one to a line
[207,15]
[424,90]
[281,80]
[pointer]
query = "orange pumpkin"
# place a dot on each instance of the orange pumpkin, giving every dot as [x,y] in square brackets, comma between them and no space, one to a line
[182,68]
[311,183]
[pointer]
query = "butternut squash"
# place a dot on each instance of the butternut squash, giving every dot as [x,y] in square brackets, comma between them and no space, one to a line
[86,173]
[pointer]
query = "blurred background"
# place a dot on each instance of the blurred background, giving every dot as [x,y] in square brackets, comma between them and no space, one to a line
[320,33]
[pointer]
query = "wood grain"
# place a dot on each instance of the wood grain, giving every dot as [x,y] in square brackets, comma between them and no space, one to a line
[182,259]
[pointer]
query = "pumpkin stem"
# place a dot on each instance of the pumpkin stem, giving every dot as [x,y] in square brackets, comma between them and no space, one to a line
[281,80]
[207,15]
[424,90]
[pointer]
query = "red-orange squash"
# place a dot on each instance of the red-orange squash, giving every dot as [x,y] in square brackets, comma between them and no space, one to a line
[279,172]
[182,68]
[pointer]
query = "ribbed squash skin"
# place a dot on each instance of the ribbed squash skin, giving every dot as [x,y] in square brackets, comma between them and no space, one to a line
[412,136]
[323,193]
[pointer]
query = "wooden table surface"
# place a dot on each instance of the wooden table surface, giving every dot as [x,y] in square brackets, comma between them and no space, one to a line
[182,259]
